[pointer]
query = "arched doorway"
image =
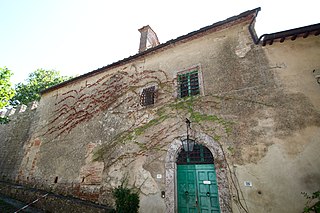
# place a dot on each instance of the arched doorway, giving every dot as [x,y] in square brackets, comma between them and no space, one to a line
[197,189]
[174,149]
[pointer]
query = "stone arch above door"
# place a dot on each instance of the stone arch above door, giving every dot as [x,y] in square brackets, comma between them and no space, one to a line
[220,166]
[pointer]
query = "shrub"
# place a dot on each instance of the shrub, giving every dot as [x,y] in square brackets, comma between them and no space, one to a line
[313,202]
[127,201]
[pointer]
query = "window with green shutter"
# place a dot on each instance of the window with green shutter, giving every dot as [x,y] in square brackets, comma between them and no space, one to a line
[188,84]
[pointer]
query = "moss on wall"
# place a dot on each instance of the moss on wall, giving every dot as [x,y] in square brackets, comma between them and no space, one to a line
[169,111]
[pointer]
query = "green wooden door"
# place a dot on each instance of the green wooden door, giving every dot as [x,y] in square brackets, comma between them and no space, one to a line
[197,189]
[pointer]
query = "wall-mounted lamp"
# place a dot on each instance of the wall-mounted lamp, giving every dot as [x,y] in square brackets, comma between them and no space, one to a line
[187,143]
[316,74]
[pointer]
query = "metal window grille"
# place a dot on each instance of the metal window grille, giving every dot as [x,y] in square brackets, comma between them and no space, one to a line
[188,84]
[199,155]
[147,96]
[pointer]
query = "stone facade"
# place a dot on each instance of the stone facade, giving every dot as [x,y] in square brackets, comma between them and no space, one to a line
[14,135]
[257,112]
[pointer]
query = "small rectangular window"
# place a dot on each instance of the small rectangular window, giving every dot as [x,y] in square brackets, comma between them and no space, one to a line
[147,96]
[188,84]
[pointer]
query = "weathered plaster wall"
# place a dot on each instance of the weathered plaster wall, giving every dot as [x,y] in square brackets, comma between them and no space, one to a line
[293,62]
[291,125]
[279,178]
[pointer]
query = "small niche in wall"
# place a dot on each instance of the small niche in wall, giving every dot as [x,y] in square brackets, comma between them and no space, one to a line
[82,179]
[56,179]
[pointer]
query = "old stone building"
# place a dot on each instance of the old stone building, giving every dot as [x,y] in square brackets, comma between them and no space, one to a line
[248,107]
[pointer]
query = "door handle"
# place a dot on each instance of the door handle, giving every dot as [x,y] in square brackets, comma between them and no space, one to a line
[208,194]
[187,193]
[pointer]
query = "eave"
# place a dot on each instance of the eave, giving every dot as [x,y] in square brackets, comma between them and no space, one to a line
[293,34]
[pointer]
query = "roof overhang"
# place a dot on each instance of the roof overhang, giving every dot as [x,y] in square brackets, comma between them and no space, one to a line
[293,34]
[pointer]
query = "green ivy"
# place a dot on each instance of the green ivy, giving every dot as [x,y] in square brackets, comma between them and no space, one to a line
[153,122]
[216,137]
[183,104]
[231,150]
[128,136]
[198,117]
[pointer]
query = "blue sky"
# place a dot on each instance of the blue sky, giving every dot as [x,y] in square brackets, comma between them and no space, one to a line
[78,36]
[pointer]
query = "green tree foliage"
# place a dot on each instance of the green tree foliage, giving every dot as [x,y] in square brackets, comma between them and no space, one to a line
[36,82]
[6,91]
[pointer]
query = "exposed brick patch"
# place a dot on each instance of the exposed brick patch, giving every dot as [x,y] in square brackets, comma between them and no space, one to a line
[91,172]
[29,162]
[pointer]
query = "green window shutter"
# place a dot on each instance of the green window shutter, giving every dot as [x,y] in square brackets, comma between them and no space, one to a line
[189,84]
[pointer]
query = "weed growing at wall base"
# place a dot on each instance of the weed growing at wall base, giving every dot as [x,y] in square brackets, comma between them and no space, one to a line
[127,201]
[313,202]
[4,120]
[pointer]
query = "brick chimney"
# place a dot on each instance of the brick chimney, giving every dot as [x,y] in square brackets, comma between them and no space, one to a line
[148,38]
